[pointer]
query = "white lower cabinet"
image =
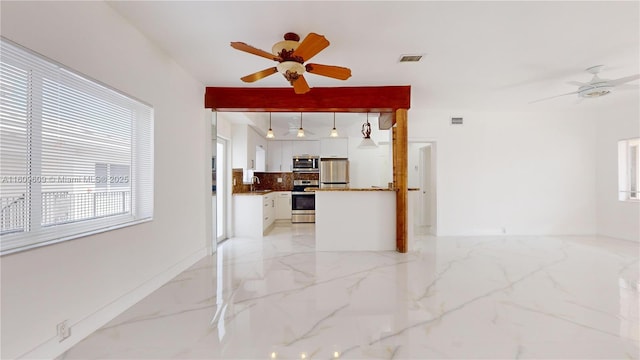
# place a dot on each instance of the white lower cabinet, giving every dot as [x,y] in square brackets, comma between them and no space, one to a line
[283,205]
[269,210]
[253,214]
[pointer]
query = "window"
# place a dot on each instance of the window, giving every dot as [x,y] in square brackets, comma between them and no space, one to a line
[76,157]
[629,169]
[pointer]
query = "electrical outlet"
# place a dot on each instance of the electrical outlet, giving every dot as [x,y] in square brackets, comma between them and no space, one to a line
[64,331]
[234,182]
[279,180]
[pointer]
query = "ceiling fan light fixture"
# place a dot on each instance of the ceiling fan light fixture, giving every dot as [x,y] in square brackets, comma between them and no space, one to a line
[334,131]
[594,92]
[284,46]
[290,66]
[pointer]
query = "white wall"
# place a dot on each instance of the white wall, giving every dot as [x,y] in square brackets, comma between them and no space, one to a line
[512,172]
[369,166]
[224,127]
[87,281]
[616,218]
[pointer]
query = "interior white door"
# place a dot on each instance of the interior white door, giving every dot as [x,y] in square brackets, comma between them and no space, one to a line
[425,186]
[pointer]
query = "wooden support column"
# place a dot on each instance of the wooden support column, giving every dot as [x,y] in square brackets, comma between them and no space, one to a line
[400,178]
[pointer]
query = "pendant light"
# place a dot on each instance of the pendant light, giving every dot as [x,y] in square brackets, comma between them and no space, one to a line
[334,131]
[270,134]
[367,143]
[301,130]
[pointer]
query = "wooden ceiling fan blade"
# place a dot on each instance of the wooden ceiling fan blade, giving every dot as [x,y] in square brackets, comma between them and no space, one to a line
[300,85]
[259,75]
[336,72]
[255,51]
[310,46]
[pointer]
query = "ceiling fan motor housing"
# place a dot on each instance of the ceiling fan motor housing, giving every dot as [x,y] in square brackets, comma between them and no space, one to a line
[290,66]
[595,90]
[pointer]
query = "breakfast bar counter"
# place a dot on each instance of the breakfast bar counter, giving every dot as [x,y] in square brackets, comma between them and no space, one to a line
[358,219]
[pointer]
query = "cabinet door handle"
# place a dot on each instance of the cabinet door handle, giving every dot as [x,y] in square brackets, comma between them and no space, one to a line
[252,165]
[273,203]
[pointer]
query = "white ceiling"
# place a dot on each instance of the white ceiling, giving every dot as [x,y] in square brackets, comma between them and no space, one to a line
[478,55]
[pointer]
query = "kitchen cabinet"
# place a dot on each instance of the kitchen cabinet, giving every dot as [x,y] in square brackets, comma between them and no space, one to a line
[279,156]
[268,210]
[253,214]
[334,147]
[283,205]
[247,146]
[306,147]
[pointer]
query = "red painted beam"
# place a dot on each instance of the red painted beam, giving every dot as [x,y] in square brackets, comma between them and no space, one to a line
[334,99]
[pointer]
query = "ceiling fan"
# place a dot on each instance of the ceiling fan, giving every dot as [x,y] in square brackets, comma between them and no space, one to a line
[296,130]
[291,56]
[597,87]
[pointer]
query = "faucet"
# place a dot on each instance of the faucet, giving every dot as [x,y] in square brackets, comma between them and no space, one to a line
[254,179]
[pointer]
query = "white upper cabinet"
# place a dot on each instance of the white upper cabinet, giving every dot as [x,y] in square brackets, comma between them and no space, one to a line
[274,156]
[280,153]
[280,156]
[247,146]
[334,147]
[306,147]
[287,156]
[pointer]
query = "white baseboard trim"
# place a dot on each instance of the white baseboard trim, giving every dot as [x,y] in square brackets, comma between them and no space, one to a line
[52,348]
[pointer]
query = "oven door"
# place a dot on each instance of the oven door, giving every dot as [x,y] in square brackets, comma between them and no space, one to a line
[303,207]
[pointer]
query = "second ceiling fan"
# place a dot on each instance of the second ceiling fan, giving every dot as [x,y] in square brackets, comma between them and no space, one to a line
[291,54]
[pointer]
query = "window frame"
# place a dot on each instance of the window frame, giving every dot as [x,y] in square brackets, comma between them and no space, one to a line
[140,209]
[629,170]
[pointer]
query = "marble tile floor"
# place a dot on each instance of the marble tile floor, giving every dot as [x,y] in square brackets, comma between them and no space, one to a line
[503,297]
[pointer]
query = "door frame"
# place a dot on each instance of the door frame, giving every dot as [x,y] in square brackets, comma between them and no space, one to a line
[224,192]
[434,178]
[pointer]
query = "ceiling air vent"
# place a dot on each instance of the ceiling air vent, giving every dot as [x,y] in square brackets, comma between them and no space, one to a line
[456,121]
[410,58]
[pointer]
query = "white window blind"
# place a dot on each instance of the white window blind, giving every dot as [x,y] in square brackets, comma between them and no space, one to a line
[76,157]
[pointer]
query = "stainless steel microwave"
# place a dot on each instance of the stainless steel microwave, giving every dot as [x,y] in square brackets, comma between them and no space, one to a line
[306,163]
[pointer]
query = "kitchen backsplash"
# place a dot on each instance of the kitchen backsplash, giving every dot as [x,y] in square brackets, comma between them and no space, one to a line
[269,180]
[238,186]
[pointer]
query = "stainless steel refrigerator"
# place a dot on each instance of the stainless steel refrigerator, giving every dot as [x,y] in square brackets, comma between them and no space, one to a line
[334,173]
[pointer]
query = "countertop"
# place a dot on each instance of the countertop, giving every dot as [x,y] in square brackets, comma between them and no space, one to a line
[356,189]
[254,193]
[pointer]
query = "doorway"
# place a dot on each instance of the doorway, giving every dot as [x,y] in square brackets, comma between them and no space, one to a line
[422,175]
[221,189]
